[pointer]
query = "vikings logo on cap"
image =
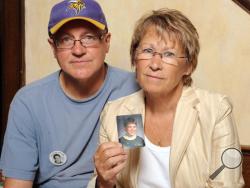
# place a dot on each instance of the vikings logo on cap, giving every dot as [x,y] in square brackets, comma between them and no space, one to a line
[65,11]
[77,5]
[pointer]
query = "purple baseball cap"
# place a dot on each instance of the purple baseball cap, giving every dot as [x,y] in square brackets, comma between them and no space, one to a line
[67,10]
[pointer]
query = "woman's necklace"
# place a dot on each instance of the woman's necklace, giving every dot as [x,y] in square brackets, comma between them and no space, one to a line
[152,135]
[159,129]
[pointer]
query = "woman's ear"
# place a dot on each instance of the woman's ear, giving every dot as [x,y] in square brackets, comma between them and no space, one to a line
[189,70]
[133,66]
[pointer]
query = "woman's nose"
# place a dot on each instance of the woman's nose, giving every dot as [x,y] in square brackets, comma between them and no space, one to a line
[156,62]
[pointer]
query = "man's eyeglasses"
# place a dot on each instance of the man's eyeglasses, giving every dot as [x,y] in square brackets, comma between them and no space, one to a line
[146,53]
[68,42]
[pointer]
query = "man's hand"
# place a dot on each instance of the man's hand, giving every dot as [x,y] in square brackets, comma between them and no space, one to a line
[110,159]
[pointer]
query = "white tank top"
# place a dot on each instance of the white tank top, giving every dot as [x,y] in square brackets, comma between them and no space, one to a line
[154,166]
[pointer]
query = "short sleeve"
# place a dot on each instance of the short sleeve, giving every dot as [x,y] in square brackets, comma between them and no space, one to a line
[19,157]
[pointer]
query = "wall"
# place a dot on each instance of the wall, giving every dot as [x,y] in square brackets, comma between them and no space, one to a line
[224,36]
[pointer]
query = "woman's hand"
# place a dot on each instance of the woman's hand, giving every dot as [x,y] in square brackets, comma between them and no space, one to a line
[110,159]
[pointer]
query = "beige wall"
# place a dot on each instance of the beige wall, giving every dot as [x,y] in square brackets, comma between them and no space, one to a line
[224,31]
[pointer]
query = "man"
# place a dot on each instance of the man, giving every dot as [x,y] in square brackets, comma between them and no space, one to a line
[59,114]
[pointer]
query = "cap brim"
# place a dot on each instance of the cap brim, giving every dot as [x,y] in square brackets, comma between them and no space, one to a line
[56,27]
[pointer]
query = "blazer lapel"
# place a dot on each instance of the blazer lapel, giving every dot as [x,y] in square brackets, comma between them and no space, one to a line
[184,124]
[136,105]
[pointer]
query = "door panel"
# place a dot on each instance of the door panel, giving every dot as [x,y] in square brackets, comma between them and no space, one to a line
[11,55]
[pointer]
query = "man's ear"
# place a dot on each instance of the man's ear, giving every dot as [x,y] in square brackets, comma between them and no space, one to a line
[52,45]
[107,41]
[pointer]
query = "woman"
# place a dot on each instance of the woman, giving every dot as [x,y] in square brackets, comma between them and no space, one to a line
[186,129]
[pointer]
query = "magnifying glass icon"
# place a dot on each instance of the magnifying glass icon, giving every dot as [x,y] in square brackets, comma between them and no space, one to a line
[231,158]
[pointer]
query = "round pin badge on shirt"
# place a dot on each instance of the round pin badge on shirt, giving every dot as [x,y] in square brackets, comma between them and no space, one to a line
[57,158]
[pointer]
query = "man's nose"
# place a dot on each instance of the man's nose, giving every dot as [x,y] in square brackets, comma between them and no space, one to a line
[78,48]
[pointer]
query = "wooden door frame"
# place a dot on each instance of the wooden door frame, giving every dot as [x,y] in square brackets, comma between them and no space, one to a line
[244,4]
[12,60]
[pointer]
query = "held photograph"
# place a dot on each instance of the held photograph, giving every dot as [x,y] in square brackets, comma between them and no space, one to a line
[130,130]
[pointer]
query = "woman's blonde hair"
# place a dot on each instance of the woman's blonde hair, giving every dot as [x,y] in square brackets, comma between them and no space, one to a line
[177,26]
